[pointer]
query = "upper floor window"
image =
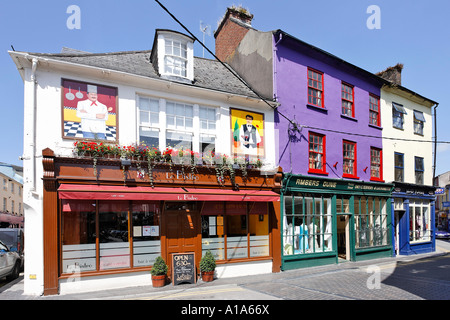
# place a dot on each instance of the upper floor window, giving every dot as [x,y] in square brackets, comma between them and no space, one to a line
[399,166]
[317,154]
[164,123]
[207,118]
[180,124]
[348,100]
[374,110]
[175,59]
[173,55]
[376,164]
[149,121]
[419,169]
[419,121]
[315,88]
[349,159]
[398,112]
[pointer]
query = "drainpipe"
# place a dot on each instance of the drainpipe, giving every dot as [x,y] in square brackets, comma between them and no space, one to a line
[33,128]
[435,141]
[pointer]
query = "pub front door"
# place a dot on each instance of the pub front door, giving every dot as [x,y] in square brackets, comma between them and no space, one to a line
[183,232]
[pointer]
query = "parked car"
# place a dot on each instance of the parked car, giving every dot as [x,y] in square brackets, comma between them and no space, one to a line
[441,233]
[13,238]
[9,263]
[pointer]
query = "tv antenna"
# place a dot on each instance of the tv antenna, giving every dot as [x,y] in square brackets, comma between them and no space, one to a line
[205,29]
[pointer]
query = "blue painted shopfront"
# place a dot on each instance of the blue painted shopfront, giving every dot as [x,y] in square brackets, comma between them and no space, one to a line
[413,214]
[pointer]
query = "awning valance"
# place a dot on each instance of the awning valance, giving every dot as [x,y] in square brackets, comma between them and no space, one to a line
[102,192]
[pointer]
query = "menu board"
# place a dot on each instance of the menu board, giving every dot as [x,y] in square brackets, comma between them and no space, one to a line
[183,268]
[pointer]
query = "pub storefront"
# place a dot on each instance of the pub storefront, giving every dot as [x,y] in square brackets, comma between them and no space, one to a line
[325,221]
[113,220]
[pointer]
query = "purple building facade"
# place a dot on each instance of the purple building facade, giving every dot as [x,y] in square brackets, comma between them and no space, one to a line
[327,118]
[334,203]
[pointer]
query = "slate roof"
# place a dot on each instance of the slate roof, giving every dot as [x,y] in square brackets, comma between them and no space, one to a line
[208,74]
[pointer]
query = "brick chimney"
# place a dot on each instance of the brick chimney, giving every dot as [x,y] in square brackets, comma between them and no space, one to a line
[232,29]
[393,74]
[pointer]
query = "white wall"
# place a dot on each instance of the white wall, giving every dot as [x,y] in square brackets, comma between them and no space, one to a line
[410,149]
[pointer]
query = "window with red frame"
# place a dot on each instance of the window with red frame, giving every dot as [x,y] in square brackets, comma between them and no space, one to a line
[315,88]
[317,156]
[374,110]
[376,164]
[349,155]
[347,100]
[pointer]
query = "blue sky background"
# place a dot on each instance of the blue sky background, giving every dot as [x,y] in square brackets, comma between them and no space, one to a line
[415,33]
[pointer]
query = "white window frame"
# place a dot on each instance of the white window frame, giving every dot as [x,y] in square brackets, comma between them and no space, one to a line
[182,65]
[165,128]
[148,126]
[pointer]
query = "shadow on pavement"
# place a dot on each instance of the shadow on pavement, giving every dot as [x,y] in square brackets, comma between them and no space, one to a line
[427,278]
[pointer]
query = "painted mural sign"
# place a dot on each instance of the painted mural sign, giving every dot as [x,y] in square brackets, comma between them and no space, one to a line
[89,111]
[247,130]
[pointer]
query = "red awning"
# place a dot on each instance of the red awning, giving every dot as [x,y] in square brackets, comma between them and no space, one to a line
[97,192]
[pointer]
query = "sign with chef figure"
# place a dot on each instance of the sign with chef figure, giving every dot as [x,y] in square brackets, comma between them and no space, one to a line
[247,130]
[89,111]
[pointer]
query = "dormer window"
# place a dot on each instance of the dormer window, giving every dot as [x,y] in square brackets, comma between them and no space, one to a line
[173,55]
[175,59]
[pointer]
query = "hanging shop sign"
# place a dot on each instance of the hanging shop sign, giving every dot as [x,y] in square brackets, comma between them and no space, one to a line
[183,268]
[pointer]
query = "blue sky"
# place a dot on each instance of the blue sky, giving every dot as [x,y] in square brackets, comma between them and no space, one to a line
[415,33]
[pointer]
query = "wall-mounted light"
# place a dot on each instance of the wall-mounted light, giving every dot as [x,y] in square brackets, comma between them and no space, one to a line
[335,165]
[365,169]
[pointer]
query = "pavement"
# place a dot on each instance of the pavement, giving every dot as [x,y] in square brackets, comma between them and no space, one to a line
[417,277]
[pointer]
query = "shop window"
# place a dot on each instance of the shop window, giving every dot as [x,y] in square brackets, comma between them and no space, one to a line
[113,244]
[113,235]
[146,233]
[78,237]
[307,225]
[235,230]
[419,220]
[371,227]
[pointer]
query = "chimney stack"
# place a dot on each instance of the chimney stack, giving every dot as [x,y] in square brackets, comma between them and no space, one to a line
[392,74]
[231,30]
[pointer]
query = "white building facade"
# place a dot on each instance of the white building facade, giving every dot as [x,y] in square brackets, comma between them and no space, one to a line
[188,100]
[408,162]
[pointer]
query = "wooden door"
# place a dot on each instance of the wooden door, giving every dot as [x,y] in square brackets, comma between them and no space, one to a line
[183,234]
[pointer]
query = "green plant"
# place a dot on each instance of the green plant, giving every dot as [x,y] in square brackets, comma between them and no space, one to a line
[207,263]
[159,267]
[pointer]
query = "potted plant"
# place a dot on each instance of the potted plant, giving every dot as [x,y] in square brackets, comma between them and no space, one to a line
[159,272]
[207,266]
